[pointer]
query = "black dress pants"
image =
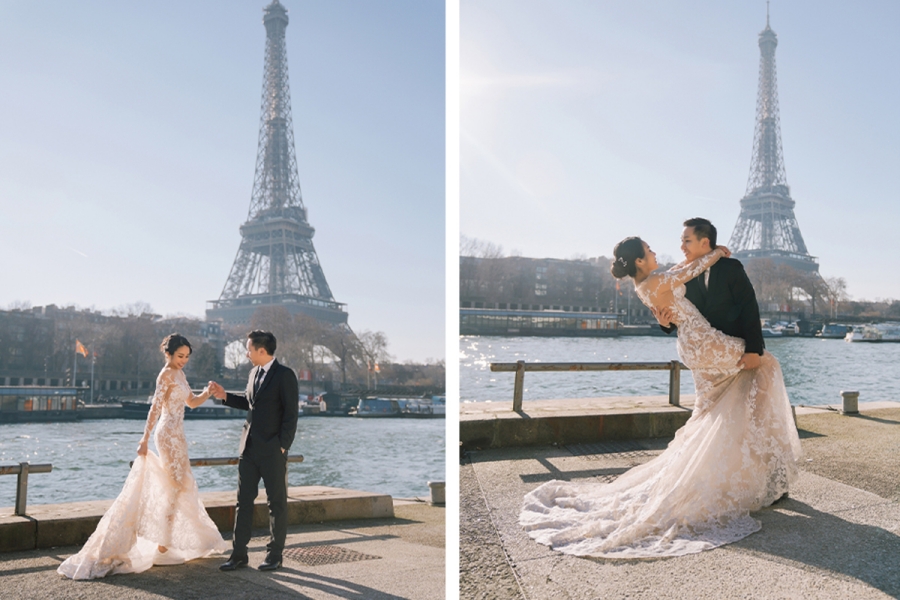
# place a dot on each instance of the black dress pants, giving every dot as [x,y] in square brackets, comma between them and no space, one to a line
[272,469]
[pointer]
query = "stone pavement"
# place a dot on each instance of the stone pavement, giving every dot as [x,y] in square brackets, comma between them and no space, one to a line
[371,559]
[836,536]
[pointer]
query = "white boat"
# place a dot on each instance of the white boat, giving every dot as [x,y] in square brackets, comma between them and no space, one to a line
[875,333]
[426,408]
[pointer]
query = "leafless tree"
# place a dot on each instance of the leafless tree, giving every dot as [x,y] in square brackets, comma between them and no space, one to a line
[836,292]
[374,346]
[478,248]
[19,305]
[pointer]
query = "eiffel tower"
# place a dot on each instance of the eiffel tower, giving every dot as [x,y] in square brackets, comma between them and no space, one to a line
[276,263]
[767,227]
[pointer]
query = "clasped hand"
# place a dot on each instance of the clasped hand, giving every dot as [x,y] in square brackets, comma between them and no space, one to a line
[216,390]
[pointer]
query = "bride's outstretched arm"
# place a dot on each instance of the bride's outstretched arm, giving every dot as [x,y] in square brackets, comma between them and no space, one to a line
[685,271]
[195,401]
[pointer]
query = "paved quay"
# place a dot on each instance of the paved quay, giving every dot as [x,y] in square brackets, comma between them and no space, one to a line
[837,536]
[397,557]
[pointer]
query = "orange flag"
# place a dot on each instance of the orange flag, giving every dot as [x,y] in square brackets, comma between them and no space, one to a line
[80,349]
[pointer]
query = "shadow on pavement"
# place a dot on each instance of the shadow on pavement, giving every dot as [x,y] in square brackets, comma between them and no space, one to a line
[331,585]
[825,541]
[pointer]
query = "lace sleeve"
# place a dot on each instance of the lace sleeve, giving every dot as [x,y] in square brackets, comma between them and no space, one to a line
[684,272]
[164,384]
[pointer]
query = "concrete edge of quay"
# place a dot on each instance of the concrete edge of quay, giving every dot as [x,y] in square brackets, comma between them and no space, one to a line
[71,524]
[488,425]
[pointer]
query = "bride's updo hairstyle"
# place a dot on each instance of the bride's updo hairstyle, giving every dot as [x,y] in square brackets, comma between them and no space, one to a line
[173,342]
[626,252]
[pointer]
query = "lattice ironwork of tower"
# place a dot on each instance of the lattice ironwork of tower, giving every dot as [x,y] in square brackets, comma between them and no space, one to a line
[276,263]
[767,227]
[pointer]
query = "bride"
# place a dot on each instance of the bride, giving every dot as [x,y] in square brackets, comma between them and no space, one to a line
[158,517]
[736,454]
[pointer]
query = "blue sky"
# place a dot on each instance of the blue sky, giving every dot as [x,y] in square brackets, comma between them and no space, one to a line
[128,147]
[583,122]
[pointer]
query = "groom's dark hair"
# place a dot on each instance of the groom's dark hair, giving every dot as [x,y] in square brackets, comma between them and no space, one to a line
[703,229]
[263,339]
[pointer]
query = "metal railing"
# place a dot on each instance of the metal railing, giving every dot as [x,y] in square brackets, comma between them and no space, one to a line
[230,460]
[674,368]
[22,470]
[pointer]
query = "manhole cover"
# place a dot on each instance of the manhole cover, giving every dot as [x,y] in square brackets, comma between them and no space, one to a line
[619,449]
[325,555]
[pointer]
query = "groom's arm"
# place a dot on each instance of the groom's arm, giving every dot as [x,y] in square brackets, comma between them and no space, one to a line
[236,401]
[742,293]
[290,403]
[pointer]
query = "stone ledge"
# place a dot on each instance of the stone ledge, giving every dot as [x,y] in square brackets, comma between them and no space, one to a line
[486,425]
[542,422]
[52,525]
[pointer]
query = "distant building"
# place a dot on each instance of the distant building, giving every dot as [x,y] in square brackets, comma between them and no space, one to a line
[532,294]
[37,348]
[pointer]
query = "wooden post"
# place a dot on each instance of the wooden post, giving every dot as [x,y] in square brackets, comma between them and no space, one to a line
[519,385]
[675,383]
[22,489]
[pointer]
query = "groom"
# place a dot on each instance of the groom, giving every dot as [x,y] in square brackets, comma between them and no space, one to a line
[272,404]
[723,293]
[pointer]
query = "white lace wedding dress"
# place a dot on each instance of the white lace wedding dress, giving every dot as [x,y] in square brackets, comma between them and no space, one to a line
[159,504]
[736,454]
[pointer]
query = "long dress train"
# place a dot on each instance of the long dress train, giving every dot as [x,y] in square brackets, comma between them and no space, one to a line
[736,454]
[159,504]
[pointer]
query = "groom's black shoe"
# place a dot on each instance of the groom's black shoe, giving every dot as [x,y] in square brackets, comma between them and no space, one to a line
[270,564]
[233,563]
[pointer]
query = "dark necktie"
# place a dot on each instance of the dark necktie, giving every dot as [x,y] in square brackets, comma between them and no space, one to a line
[260,374]
[703,287]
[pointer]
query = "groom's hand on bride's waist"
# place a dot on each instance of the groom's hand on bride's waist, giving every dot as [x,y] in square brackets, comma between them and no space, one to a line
[663,315]
[749,361]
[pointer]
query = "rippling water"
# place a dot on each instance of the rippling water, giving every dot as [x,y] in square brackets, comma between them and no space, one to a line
[90,458]
[815,370]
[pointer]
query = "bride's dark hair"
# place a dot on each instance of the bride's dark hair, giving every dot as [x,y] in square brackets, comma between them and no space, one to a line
[626,252]
[173,342]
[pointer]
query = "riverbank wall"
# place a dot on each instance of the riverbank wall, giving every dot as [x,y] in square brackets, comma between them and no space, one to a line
[495,425]
[51,525]
[484,425]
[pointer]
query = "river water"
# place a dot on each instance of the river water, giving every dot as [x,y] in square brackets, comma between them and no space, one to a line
[90,458]
[815,370]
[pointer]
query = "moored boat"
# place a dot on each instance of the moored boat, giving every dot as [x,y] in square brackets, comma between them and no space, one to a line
[377,408]
[426,408]
[207,410]
[875,333]
[834,331]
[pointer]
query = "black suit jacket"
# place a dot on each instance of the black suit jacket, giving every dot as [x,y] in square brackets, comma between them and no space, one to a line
[272,413]
[729,303]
